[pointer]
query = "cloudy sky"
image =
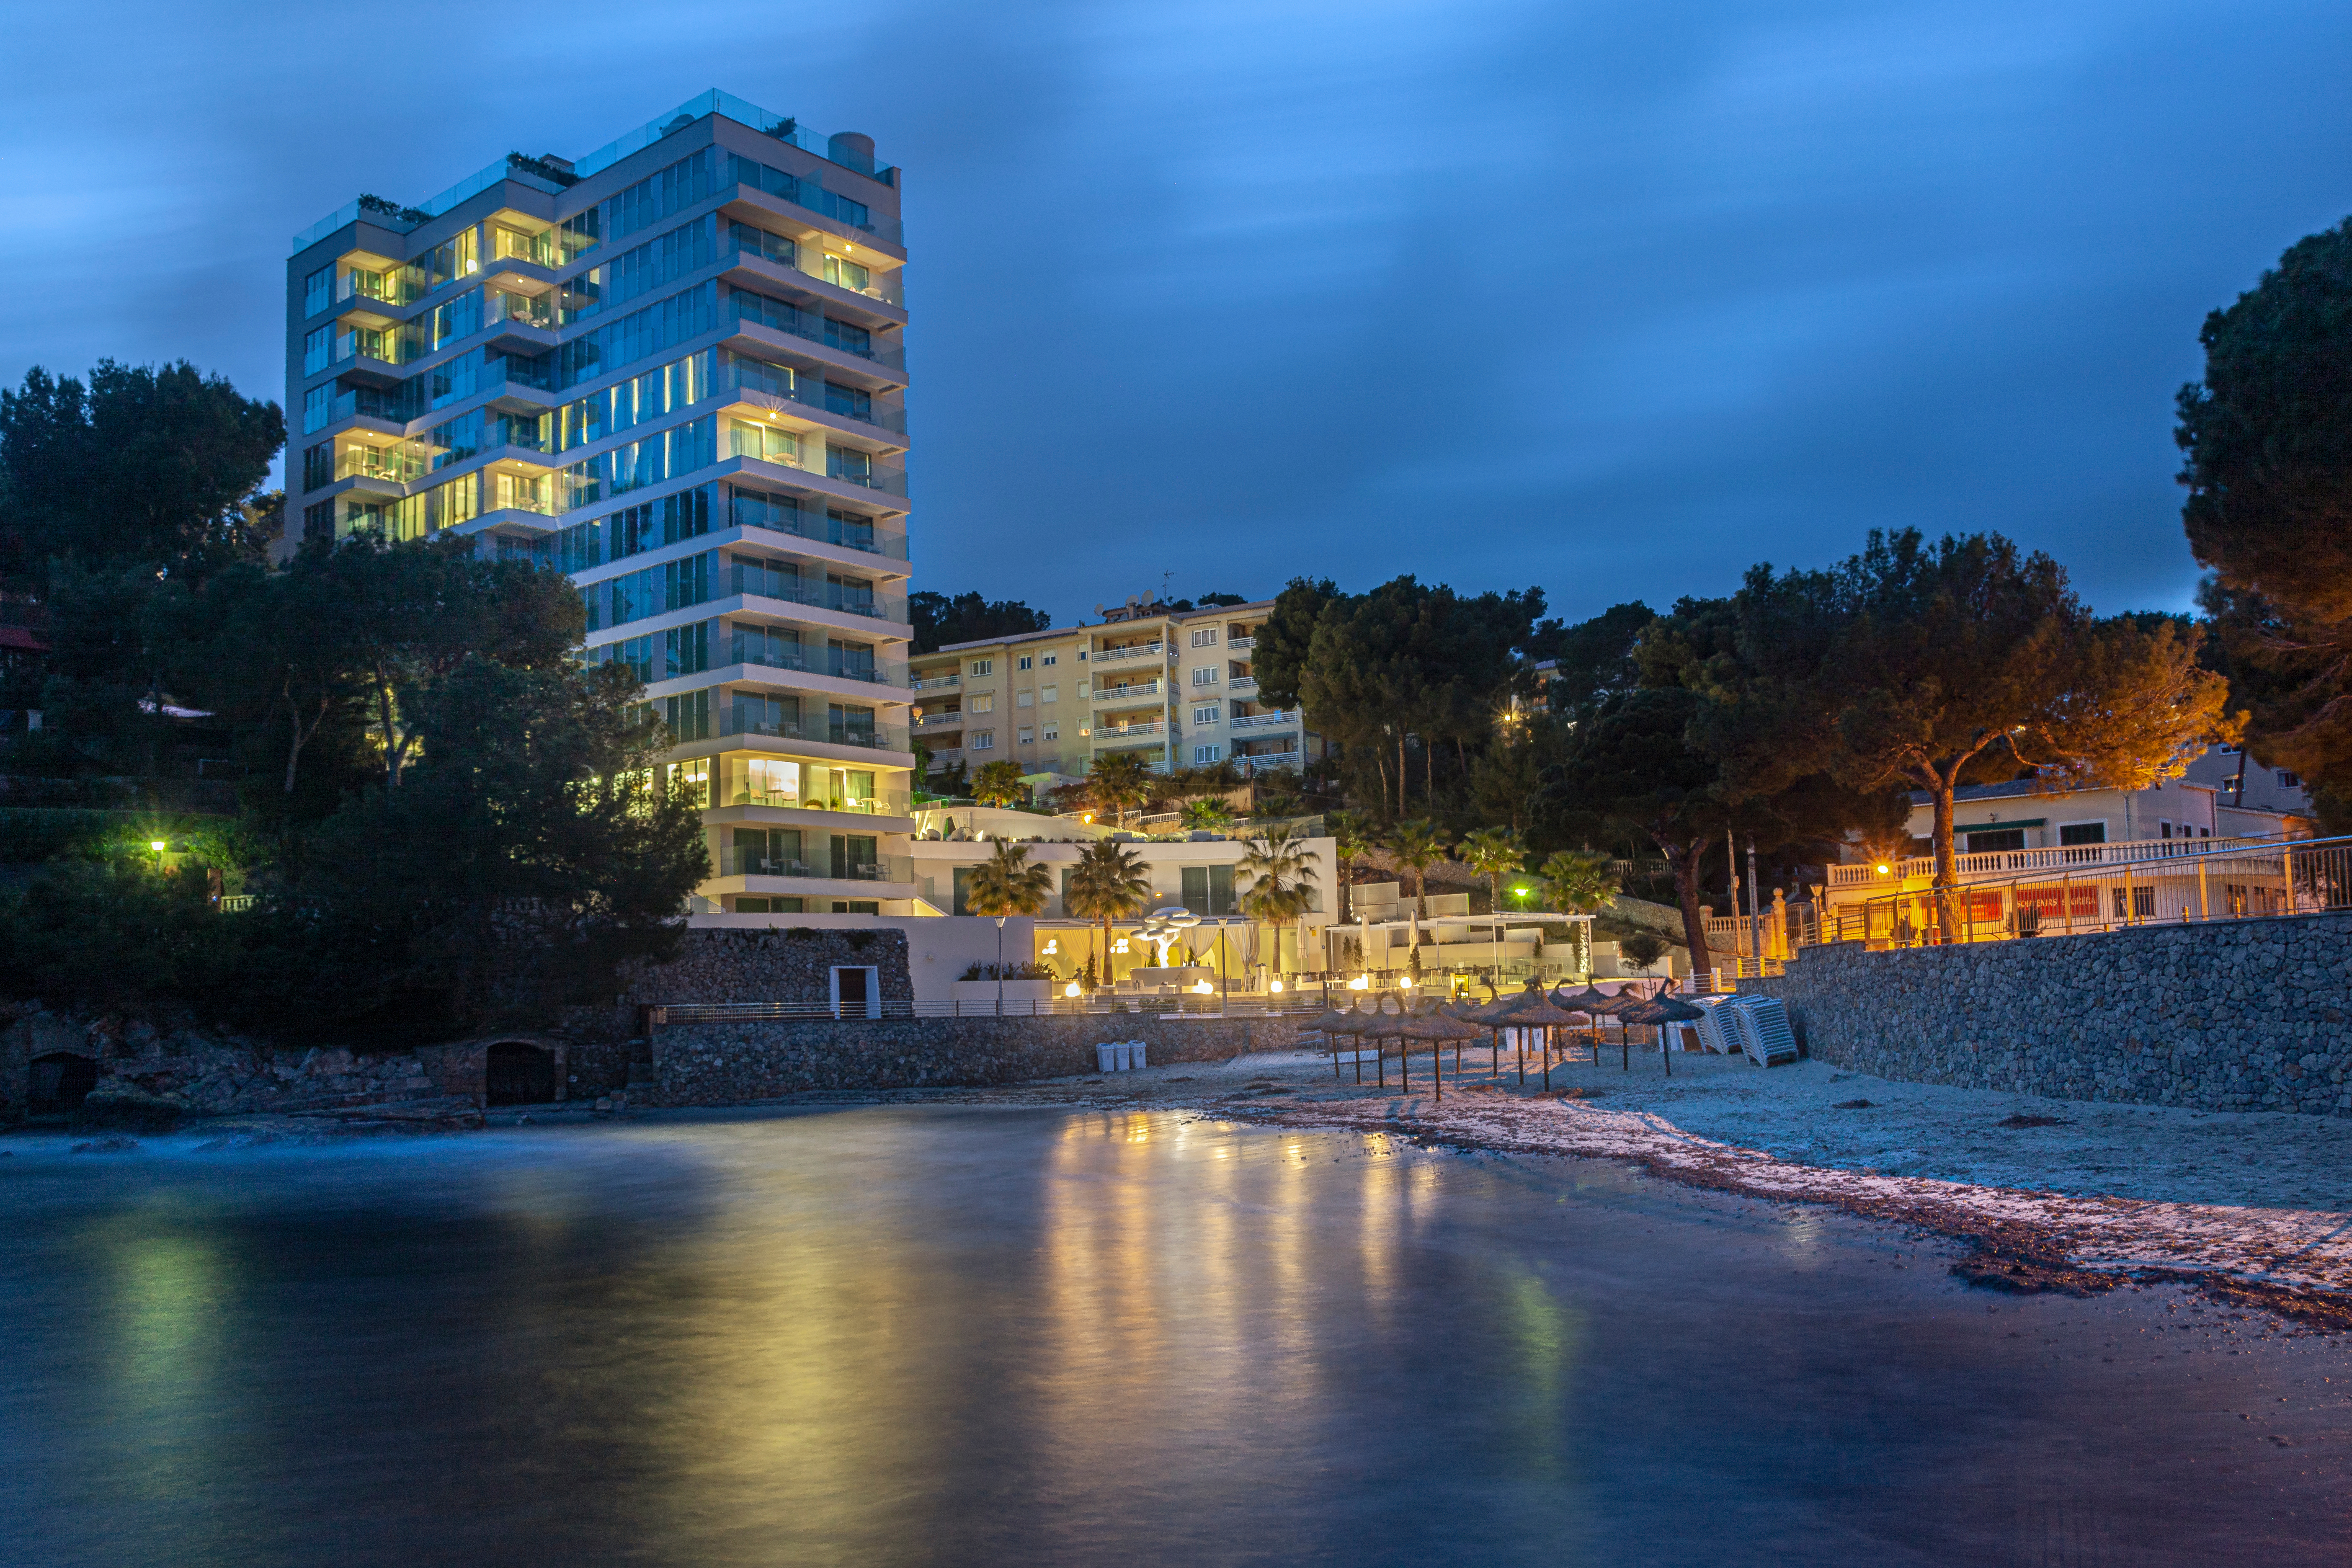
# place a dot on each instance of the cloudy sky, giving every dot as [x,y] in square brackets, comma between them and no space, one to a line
[1611,298]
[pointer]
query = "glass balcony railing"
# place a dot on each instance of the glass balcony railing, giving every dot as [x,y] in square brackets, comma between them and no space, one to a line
[744,578]
[810,326]
[402,464]
[1266,721]
[934,682]
[1133,691]
[735,862]
[778,514]
[931,722]
[882,803]
[1133,650]
[1240,645]
[1117,732]
[523,310]
[763,653]
[754,721]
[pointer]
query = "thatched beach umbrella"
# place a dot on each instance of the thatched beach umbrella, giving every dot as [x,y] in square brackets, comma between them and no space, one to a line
[1598,1005]
[1495,1016]
[1336,1022]
[1540,1012]
[1660,1011]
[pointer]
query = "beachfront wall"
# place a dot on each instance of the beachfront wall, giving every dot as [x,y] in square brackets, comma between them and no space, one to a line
[2247,1015]
[727,1064]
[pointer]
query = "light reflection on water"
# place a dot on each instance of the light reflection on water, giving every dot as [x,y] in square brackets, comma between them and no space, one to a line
[914,1335]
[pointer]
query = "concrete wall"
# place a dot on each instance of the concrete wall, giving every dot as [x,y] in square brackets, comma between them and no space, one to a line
[936,950]
[722,1064]
[2239,1015]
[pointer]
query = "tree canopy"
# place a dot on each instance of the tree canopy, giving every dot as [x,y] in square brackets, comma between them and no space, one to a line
[2267,437]
[938,621]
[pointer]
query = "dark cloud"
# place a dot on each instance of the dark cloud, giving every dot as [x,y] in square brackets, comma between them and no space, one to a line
[1613,297]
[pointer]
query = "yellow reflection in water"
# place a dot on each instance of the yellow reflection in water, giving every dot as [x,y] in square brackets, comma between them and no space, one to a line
[170,1296]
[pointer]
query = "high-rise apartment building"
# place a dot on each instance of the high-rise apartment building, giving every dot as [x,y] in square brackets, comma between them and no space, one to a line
[675,369]
[1174,687]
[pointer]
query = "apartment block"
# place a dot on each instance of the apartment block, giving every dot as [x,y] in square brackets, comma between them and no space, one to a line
[674,369]
[1173,686]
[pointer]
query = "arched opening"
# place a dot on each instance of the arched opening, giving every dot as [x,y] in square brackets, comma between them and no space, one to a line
[516,1074]
[61,1081]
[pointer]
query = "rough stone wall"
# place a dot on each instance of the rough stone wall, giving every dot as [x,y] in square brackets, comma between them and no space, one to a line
[2242,1015]
[721,1064]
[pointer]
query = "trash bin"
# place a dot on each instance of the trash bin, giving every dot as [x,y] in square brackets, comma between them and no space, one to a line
[1134,1055]
[1107,1058]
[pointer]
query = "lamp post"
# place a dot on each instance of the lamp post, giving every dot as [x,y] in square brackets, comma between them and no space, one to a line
[1755,919]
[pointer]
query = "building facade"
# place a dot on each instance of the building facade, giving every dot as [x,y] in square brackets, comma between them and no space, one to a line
[1173,686]
[675,370]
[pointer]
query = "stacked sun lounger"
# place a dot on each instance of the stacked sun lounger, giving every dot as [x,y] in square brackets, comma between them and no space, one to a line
[1763,1023]
[1718,1032]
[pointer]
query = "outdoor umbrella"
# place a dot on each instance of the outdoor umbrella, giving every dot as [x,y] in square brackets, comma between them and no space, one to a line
[1438,1025]
[1599,1005]
[1421,1023]
[1336,1022]
[1497,1017]
[1660,1011]
[1539,1012]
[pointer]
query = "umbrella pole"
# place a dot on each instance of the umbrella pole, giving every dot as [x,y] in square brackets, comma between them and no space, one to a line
[1437,1068]
[1380,1062]
[1520,1042]
[1625,1046]
[1360,1061]
[1547,1056]
[1666,1050]
[1404,1064]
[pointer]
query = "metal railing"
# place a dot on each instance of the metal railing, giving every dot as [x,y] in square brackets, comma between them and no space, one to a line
[760,863]
[933,682]
[2250,879]
[1134,691]
[1132,650]
[2061,857]
[1249,1005]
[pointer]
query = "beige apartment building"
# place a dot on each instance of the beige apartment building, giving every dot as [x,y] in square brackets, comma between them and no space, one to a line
[1173,686]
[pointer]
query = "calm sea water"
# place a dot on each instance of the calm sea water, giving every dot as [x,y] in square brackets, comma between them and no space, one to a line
[956,1335]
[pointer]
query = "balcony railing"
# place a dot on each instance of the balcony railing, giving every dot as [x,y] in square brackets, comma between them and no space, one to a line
[745,722]
[757,863]
[1133,650]
[1113,733]
[1134,691]
[781,316]
[795,589]
[934,682]
[889,803]
[1240,645]
[939,721]
[1266,721]
[1995,863]
[759,651]
[752,510]
[1242,685]
[1263,762]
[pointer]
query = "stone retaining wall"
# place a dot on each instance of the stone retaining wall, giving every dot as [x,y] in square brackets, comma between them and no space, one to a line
[724,1064]
[2239,1015]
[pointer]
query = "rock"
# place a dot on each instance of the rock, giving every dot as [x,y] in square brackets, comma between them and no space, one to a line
[105,1145]
[122,1105]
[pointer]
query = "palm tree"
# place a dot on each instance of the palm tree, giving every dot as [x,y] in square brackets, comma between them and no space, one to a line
[1352,838]
[1578,881]
[999,784]
[1109,882]
[1006,884]
[1581,882]
[1418,844]
[1493,853]
[1211,814]
[1278,867]
[1120,780]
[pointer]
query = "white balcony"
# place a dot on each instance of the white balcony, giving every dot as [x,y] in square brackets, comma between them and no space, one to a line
[2000,864]
[1144,650]
[939,721]
[933,683]
[1267,721]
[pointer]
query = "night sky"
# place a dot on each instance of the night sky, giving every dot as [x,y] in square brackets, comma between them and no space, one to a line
[1612,298]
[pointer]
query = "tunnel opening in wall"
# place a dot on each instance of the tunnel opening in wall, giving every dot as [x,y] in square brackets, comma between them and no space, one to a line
[60,1082]
[516,1073]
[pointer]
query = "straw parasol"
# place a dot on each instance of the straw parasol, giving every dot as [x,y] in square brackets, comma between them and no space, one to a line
[1438,1025]
[1597,1004]
[1540,1012]
[1338,1021]
[1659,1010]
[1496,1016]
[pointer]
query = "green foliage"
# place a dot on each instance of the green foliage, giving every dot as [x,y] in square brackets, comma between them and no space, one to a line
[158,467]
[1595,659]
[1418,844]
[1642,948]
[1285,637]
[1109,882]
[999,784]
[939,620]
[1578,881]
[1210,813]
[1493,853]
[1006,884]
[1119,782]
[2268,439]
[1631,769]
